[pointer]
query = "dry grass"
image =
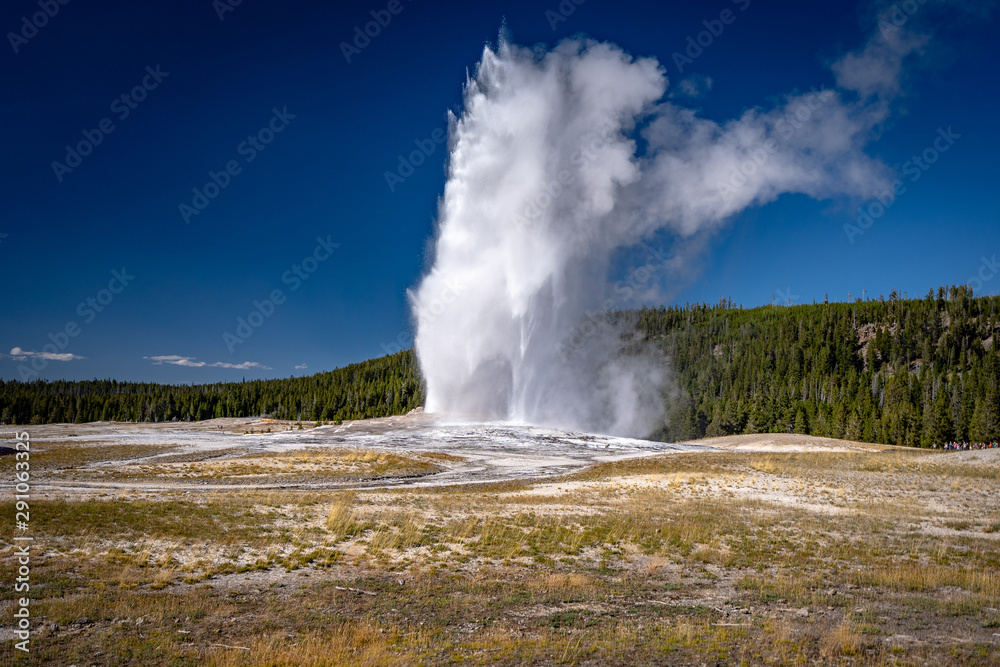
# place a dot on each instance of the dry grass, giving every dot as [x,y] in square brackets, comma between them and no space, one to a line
[311,464]
[349,643]
[842,640]
[133,463]
[55,457]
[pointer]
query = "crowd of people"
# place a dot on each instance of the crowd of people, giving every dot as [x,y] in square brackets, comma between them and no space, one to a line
[964,446]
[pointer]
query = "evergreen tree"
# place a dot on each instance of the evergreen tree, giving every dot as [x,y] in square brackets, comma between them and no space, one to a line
[916,372]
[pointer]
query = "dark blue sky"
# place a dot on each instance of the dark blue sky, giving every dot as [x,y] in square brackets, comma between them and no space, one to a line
[325,131]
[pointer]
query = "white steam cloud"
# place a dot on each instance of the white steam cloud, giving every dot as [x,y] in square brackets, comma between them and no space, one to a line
[561,162]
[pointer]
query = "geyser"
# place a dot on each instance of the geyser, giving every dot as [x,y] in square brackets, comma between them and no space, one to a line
[548,188]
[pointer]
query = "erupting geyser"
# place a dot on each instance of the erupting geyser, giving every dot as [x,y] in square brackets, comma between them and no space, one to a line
[547,186]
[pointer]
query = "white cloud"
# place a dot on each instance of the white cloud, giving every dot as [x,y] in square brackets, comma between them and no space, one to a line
[178,360]
[694,86]
[173,359]
[299,367]
[876,71]
[21,355]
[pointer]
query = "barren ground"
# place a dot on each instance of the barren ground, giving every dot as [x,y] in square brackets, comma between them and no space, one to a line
[405,541]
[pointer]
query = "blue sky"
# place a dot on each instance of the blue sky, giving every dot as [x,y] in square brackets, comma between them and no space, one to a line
[308,137]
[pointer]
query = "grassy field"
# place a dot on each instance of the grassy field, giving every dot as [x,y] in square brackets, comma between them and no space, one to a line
[688,558]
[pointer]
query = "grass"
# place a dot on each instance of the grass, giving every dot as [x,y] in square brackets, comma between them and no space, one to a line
[291,466]
[62,456]
[842,640]
[112,463]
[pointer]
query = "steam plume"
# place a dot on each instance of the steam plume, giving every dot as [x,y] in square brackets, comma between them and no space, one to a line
[548,188]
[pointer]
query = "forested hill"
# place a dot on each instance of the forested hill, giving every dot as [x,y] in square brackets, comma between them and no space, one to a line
[909,372]
[375,388]
[915,372]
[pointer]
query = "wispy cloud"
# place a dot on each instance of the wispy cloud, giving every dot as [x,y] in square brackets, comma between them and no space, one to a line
[190,362]
[20,355]
[694,86]
[299,367]
[877,70]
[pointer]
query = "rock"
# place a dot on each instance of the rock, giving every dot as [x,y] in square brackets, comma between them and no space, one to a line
[802,612]
[902,639]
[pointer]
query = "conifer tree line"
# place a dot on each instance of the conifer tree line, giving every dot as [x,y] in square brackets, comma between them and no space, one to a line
[375,388]
[891,370]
